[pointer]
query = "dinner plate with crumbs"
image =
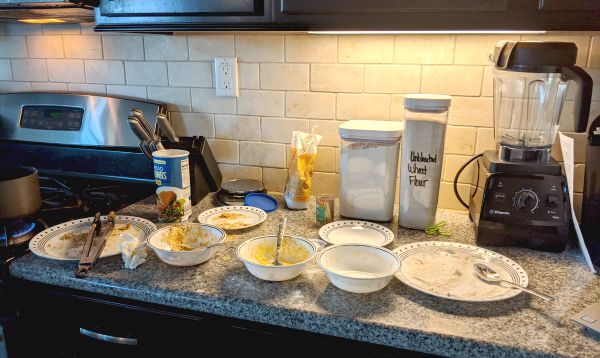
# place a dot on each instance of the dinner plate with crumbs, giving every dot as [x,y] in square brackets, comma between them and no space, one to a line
[234,217]
[65,241]
[445,269]
[356,232]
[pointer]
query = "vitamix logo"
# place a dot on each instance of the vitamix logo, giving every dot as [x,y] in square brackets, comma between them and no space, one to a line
[498,212]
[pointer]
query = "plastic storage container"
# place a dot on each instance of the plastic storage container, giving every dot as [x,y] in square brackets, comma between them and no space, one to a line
[368,168]
[425,118]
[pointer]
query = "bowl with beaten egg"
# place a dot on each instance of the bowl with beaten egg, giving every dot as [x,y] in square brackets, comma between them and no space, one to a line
[258,254]
[186,244]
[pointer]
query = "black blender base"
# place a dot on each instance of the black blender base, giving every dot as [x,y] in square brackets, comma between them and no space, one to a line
[550,239]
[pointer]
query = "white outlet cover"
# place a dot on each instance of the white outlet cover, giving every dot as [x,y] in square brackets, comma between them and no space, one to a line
[226,76]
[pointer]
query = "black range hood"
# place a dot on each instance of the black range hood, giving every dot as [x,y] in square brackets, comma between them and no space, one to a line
[46,11]
[182,15]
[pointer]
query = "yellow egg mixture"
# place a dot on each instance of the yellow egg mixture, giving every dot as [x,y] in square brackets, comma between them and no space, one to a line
[291,253]
[185,238]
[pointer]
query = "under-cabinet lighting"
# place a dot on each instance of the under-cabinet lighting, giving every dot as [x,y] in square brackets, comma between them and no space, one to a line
[429,32]
[42,21]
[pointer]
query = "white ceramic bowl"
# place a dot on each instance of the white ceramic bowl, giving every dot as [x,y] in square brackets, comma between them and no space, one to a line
[274,273]
[185,258]
[358,268]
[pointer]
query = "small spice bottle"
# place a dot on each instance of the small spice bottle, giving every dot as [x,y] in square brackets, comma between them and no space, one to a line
[325,205]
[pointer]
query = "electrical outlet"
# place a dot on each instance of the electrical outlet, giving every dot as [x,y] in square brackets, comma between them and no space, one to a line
[226,76]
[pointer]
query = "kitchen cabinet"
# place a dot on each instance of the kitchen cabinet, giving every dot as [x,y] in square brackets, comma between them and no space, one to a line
[337,15]
[182,15]
[70,323]
[439,14]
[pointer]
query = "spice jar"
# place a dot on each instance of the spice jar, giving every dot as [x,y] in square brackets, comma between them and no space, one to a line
[368,167]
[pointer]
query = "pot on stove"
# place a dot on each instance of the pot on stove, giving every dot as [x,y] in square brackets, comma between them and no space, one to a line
[19,193]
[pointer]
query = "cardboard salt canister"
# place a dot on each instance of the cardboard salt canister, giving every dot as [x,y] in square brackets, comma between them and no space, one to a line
[172,175]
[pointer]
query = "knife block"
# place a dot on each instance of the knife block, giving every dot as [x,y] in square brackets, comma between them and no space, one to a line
[205,175]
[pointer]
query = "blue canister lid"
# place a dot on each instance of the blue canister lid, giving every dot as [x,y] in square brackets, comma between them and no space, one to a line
[261,201]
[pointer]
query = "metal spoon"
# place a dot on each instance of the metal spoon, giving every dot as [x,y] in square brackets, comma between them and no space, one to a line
[486,273]
[282,225]
[213,245]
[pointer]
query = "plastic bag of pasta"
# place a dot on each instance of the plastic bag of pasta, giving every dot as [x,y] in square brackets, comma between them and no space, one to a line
[302,162]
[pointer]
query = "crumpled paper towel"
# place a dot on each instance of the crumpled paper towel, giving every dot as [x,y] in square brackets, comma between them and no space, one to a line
[133,251]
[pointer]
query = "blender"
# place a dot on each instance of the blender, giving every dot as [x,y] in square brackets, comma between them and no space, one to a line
[519,196]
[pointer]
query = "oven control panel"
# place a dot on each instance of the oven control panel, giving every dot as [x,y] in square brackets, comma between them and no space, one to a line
[61,118]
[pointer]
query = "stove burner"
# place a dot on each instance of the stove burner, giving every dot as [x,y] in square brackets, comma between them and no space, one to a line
[16,232]
[58,196]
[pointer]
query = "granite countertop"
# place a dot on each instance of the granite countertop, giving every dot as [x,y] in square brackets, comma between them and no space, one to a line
[396,316]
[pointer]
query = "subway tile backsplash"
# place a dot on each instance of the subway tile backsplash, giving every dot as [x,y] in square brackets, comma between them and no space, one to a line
[287,82]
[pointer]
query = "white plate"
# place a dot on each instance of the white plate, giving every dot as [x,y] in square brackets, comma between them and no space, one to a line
[356,232]
[245,217]
[445,269]
[51,243]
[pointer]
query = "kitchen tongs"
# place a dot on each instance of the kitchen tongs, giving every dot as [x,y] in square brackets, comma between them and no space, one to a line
[90,253]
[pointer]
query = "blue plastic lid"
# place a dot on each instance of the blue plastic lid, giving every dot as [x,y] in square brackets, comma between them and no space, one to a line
[261,201]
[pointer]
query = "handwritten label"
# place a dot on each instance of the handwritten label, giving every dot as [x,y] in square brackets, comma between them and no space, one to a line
[418,170]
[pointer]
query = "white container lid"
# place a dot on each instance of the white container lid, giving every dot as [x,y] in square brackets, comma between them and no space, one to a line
[372,130]
[427,102]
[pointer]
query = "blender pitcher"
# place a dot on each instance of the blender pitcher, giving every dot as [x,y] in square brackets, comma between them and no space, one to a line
[530,85]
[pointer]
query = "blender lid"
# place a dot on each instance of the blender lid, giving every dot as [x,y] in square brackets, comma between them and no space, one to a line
[534,56]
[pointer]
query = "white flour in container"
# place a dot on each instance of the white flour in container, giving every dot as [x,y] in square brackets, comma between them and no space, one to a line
[420,172]
[368,179]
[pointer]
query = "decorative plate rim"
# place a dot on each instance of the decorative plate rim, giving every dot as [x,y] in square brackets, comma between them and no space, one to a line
[519,271]
[206,214]
[328,228]
[43,237]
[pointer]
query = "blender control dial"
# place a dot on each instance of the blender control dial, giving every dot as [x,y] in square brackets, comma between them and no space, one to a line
[526,199]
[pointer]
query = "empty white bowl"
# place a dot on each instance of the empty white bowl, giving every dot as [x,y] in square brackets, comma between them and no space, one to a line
[269,272]
[186,258]
[358,268]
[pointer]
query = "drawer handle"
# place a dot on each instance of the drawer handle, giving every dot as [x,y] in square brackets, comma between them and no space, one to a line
[107,338]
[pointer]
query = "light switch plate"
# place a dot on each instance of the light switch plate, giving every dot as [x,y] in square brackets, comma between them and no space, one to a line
[226,76]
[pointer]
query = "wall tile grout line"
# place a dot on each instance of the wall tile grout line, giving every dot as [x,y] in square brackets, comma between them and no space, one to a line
[279,103]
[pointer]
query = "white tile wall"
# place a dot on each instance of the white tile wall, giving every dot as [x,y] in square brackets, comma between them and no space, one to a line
[45,46]
[66,70]
[206,48]
[288,82]
[117,47]
[5,70]
[424,50]
[13,46]
[160,47]
[190,74]
[146,73]
[104,71]
[83,46]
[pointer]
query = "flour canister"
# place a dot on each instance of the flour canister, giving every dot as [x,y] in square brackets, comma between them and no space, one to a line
[172,175]
[425,118]
[368,168]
